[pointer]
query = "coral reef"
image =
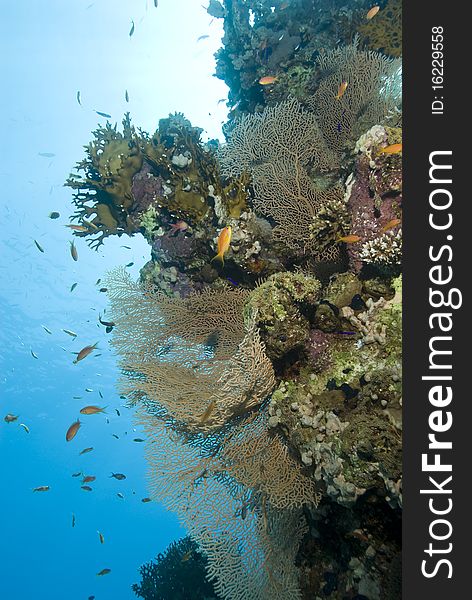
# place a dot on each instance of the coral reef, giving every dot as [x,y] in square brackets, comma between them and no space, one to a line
[178,573]
[269,388]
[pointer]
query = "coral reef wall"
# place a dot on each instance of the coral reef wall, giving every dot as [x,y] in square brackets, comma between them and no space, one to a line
[268,380]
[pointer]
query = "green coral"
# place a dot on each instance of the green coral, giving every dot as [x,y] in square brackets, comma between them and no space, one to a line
[103,197]
[278,302]
[174,153]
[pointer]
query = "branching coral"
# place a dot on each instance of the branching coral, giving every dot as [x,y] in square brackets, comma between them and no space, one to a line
[178,573]
[129,176]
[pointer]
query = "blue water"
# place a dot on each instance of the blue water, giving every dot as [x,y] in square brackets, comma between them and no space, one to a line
[49,50]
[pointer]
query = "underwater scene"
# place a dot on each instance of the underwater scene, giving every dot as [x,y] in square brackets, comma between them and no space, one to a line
[201,300]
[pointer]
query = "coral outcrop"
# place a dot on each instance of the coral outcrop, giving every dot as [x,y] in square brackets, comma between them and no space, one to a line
[269,387]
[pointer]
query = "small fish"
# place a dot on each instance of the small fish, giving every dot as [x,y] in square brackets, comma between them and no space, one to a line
[127,248]
[118,412]
[202,37]
[100,537]
[120,495]
[73,251]
[46,329]
[84,353]
[90,225]
[187,556]
[9,418]
[147,499]
[129,264]
[155,3]
[77,227]
[103,290]
[138,440]
[104,572]
[33,354]
[346,332]
[372,12]
[73,520]
[390,225]
[100,394]
[126,96]
[86,488]
[72,431]
[208,412]
[91,597]
[267,80]
[77,474]
[115,436]
[102,114]
[73,286]
[69,332]
[88,479]
[349,239]
[38,246]
[77,397]
[92,410]
[54,215]
[342,88]
[25,427]
[97,282]
[118,476]
[392,149]
[85,450]
[244,511]
[41,488]
[46,154]
[78,98]
[221,100]
[131,31]
[89,390]
[179,226]
[224,240]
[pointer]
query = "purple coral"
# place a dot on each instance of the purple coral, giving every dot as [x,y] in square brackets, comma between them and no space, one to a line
[146,189]
[369,211]
[318,349]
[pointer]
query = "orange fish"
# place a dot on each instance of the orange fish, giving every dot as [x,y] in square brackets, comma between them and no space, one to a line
[372,12]
[349,239]
[208,412]
[77,227]
[88,479]
[390,225]
[72,431]
[267,80]
[104,572]
[91,410]
[223,244]
[10,418]
[341,90]
[73,251]
[392,149]
[41,488]
[84,353]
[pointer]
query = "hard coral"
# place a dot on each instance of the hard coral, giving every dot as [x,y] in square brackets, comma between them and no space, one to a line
[385,31]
